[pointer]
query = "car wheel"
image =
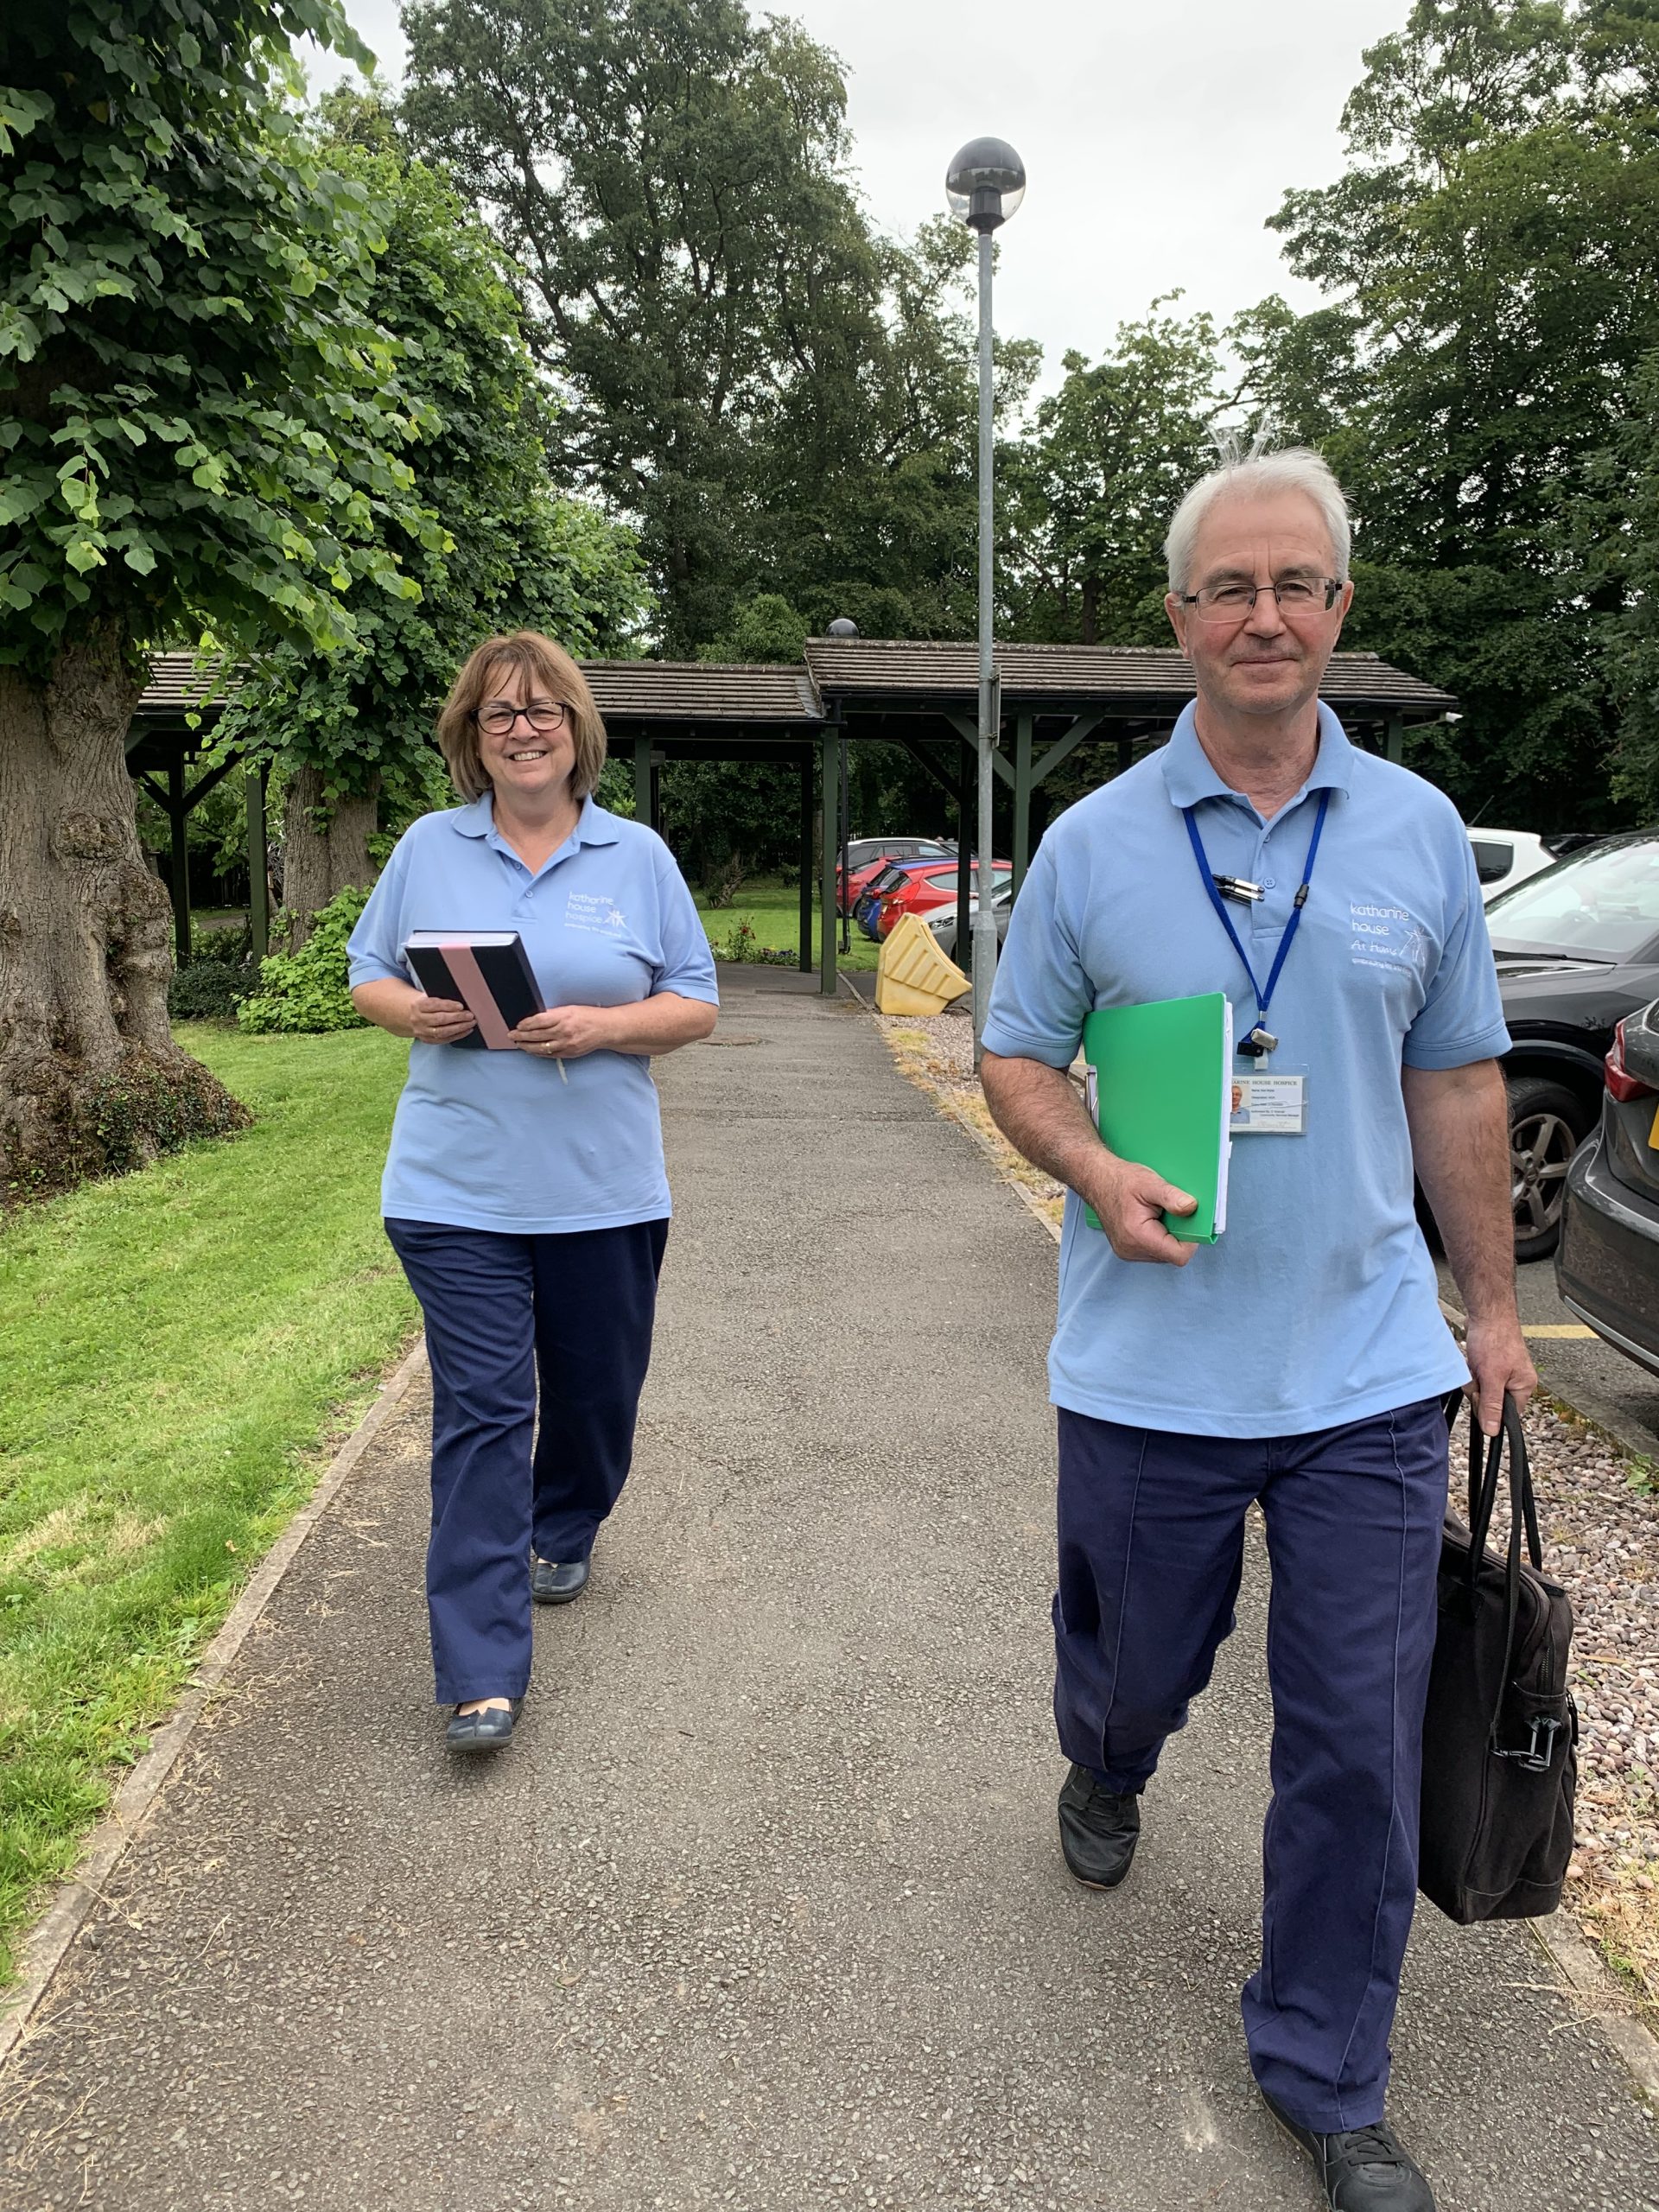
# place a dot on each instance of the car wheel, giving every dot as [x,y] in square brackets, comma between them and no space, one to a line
[1547,1122]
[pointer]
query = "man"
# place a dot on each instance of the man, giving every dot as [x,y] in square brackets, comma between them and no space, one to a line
[1301,1360]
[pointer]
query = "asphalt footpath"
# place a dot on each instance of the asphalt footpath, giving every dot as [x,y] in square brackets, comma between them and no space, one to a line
[764,1906]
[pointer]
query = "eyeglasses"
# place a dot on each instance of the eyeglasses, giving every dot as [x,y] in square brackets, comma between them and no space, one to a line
[498,719]
[1232,602]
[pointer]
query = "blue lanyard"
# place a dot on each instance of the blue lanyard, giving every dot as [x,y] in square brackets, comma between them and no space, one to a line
[1263,998]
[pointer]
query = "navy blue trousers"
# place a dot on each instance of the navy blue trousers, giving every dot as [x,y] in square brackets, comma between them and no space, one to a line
[1151,1550]
[574,1311]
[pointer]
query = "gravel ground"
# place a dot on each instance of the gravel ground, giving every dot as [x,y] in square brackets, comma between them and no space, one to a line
[1600,1511]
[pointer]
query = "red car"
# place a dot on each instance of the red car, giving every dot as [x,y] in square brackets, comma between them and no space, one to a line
[927,889]
[867,856]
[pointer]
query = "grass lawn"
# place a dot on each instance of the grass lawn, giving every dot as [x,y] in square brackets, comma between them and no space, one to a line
[773,909]
[175,1348]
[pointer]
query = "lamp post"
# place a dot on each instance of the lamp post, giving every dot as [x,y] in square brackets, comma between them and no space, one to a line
[983,186]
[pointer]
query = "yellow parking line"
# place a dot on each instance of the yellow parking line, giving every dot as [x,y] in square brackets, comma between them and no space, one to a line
[1559,1329]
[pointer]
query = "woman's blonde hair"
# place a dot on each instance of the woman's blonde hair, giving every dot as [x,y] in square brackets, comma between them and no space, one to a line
[546,670]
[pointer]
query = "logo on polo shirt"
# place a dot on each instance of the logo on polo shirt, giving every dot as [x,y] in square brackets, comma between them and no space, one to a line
[588,910]
[1386,937]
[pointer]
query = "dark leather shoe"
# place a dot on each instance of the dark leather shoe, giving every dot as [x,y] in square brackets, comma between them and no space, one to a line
[1098,1832]
[485,1731]
[553,1585]
[1363,2170]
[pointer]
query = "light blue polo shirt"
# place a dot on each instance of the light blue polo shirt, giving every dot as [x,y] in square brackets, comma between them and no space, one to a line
[497,1140]
[1317,1306]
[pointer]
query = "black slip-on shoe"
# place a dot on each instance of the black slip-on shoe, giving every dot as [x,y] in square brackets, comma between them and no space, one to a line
[551,1584]
[1361,2170]
[485,1731]
[1098,1831]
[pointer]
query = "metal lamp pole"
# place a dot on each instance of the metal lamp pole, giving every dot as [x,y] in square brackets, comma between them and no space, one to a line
[984,185]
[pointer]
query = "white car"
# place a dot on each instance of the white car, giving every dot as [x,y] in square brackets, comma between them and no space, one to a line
[1506,857]
[943,920]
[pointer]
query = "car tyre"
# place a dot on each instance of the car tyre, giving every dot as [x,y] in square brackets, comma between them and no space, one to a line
[1547,1123]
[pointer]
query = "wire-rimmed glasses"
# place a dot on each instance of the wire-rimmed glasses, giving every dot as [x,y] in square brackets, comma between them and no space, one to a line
[1230,602]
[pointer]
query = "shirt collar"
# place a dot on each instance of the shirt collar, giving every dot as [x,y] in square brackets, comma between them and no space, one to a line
[1191,775]
[595,824]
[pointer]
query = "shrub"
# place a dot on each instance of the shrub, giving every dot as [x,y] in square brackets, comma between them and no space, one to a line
[726,882]
[740,943]
[306,991]
[223,946]
[209,989]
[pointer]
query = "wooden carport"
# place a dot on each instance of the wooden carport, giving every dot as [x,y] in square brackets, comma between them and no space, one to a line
[172,725]
[923,696]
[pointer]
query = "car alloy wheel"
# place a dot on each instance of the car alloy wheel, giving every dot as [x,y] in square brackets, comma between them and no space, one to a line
[1546,1126]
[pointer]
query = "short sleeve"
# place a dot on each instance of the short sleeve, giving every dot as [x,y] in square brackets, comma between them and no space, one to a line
[1042,993]
[1462,1017]
[686,966]
[375,948]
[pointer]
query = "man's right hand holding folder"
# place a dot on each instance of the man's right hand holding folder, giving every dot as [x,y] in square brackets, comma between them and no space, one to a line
[1133,1216]
[1039,1111]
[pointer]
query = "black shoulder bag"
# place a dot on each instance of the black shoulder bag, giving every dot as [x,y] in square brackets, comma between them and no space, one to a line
[1500,1735]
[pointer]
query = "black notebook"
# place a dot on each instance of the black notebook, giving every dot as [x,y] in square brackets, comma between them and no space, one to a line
[488,971]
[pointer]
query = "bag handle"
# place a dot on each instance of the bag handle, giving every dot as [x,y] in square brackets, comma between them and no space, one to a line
[1482,1493]
[1536,1755]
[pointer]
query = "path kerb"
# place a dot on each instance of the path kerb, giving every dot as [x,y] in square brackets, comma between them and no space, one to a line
[44,1949]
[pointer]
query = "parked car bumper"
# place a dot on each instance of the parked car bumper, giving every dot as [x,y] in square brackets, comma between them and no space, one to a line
[1607,1264]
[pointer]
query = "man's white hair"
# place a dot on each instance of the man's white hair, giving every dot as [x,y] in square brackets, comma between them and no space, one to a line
[1298,468]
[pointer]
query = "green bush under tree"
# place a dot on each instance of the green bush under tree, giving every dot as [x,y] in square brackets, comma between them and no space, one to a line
[306,992]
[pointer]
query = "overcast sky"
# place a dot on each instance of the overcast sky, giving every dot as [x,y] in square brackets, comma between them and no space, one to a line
[1157,139]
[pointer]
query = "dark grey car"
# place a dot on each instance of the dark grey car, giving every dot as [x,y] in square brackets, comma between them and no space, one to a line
[1607,1264]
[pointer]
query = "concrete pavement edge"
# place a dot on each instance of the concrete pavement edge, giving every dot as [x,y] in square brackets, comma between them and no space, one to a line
[45,1947]
[949,1106]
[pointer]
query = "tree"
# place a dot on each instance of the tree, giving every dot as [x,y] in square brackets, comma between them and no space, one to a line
[782,401]
[515,555]
[203,430]
[863,490]
[1093,486]
[665,172]
[1628,479]
[1493,252]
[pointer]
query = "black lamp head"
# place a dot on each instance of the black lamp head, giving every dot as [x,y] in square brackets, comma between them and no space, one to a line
[985,183]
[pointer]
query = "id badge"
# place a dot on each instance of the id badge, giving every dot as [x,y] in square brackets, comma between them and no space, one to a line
[1269,1106]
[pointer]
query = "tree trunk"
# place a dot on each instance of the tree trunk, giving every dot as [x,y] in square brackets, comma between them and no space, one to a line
[325,848]
[90,1080]
[1090,611]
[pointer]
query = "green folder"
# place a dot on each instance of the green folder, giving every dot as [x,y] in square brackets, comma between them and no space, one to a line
[1159,1083]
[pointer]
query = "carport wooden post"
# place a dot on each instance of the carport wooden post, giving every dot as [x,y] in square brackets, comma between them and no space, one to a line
[828,803]
[806,864]
[1022,789]
[176,812]
[1394,744]
[642,806]
[254,776]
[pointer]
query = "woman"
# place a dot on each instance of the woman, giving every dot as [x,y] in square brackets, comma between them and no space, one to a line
[524,1191]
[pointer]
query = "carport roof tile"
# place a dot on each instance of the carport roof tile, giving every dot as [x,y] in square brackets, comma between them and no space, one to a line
[855,668]
[681,691]
[898,672]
